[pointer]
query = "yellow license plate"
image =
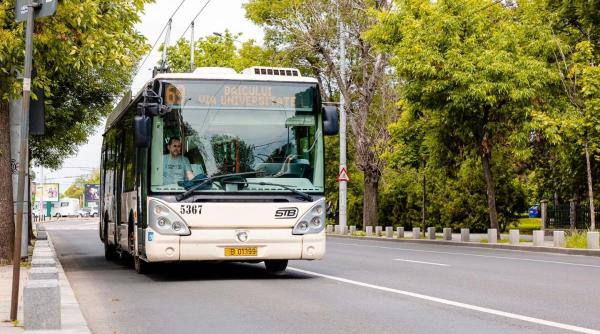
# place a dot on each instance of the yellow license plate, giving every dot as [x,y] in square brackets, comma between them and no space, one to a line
[241,251]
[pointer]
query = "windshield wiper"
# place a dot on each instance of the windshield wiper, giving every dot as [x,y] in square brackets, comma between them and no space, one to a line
[208,180]
[303,195]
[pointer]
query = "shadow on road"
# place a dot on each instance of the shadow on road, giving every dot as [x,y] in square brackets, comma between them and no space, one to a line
[203,271]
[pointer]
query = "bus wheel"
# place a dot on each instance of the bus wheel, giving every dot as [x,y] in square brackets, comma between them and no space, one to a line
[141,266]
[109,252]
[276,266]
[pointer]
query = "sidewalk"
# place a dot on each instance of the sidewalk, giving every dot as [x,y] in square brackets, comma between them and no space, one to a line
[72,319]
[6,326]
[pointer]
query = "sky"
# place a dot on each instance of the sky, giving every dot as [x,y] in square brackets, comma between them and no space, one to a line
[217,16]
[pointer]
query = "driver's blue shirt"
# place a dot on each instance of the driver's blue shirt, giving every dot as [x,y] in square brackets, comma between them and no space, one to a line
[174,169]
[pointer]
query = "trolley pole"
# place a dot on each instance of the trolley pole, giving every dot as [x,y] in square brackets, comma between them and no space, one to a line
[192,49]
[343,190]
[23,158]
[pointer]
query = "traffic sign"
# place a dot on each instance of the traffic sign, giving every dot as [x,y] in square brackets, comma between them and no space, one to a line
[343,175]
[45,8]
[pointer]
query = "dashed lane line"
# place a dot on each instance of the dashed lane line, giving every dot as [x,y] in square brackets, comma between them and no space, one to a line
[468,254]
[423,262]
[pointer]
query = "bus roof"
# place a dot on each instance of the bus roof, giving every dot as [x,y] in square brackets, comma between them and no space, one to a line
[291,75]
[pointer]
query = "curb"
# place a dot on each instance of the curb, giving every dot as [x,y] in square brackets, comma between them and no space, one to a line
[539,249]
[73,321]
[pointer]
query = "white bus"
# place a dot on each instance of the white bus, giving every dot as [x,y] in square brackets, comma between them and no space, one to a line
[217,165]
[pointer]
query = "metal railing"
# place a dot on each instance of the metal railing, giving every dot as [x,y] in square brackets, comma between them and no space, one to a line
[562,216]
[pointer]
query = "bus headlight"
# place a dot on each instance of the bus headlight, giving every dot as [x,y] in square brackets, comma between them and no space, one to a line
[313,221]
[164,220]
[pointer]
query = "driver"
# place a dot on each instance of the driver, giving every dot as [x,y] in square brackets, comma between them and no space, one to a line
[175,166]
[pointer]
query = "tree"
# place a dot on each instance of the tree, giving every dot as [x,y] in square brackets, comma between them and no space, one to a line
[77,188]
[308,31]
[221,51]
[577,53]
[84,57]
[475,69]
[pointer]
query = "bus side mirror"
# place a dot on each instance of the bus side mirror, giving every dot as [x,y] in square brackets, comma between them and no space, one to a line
[141,128]
[331,126]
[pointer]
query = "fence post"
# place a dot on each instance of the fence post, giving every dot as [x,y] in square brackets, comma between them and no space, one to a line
[544,214]
[572,213]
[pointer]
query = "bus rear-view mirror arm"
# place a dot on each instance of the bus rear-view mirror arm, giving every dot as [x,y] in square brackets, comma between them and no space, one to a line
[331,124]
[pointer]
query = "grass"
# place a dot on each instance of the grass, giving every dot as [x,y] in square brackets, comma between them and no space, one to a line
[359,234]
[528,225]
[576,239]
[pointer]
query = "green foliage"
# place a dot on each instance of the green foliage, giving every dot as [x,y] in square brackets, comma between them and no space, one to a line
[84,56]
[221,51]
[472,76]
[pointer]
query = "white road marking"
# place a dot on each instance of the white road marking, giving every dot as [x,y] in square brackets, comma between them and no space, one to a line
[423,262]
[454,303]
[467,254]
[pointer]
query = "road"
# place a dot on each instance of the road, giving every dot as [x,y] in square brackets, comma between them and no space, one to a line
[360,287]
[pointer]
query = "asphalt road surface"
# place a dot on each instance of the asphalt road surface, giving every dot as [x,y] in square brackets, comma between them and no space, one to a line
[360,287]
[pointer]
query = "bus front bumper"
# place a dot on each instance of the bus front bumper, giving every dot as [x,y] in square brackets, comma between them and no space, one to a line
[225,245]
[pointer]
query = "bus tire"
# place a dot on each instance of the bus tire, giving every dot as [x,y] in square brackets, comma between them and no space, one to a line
[109,251]
[276,266]
[141,266]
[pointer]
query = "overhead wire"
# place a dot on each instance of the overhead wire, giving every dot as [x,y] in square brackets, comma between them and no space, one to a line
[194,19]
[158,38]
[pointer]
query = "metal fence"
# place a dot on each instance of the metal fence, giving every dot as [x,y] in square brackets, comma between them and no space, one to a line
[559,217]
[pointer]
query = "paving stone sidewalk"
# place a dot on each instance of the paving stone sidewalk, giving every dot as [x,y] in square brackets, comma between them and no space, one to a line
[6,326]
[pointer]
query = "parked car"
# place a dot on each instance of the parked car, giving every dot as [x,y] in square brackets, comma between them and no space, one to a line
[534,211]
[88,212]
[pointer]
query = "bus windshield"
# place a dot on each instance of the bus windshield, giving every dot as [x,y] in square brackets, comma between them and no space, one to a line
[271,131]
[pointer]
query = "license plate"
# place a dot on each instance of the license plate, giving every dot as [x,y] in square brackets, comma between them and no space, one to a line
[241,251]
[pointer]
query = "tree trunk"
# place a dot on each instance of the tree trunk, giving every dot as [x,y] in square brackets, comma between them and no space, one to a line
[370,214]
[590,189]
[491,189]
[7,227]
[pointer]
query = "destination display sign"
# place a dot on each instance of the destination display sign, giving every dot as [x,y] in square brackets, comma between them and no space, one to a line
[224,95]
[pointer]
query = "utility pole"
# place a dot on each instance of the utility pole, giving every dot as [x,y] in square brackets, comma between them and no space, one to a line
[23,159]
[343,190]
[25,11]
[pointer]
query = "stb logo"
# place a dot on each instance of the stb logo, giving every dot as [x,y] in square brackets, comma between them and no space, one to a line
[286,213]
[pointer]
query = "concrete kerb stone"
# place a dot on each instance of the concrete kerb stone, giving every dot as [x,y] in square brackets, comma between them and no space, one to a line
[521,247]
[41,305]
[39,263]
[492,236]
[538,238]
[389,231]
[378,230]
[592,240]
[447,231]
[352,229]
[431,233]
[559,238]
[514,237]
[465,234]
[329,228]
[43,273]
[41,235]
[369,230]
[400,232]
[336,229]
[416,232]
[343,230]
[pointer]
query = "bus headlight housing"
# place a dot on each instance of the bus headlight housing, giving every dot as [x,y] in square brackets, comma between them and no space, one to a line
[165,221]
[313,221]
